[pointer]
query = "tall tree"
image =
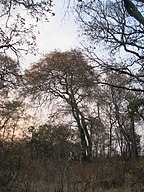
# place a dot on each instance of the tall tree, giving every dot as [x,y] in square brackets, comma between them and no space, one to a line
[122,121]
[67,76]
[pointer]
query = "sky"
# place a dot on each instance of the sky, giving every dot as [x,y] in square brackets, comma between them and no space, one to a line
[60,33]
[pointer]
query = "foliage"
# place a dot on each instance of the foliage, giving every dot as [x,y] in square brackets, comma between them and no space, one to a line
[51,143]
[59,72]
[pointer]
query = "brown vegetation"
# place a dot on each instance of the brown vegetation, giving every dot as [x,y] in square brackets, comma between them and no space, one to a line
[20,173]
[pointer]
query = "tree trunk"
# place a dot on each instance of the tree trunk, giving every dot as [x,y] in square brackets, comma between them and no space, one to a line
[86,142]
[133,139]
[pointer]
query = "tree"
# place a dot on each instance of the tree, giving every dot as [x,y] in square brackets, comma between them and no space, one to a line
[135,111]
[16,33]
[67,76]
[51,143]
[123,122]
[10,80]
[133,10]
[10,76]
[11,110]
[109,24]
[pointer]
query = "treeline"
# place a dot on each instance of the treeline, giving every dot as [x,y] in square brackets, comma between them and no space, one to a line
[27,166]
[103,120]
[91,124]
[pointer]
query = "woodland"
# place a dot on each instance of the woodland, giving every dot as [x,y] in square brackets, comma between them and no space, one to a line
[73,121]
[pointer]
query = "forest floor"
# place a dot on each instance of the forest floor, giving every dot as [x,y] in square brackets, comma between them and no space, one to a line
[103,175]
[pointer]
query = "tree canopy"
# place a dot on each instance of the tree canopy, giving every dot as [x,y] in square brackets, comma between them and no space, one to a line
[65,75]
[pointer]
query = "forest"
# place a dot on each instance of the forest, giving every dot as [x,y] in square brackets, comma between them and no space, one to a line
[73,120]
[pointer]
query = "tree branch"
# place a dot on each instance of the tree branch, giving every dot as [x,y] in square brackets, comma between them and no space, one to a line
[133,11]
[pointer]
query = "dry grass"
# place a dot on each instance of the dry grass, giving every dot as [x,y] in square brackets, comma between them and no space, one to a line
[104,176]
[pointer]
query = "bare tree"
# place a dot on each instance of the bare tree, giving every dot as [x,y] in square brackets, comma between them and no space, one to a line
[16,32]
[109,24]
[65,75]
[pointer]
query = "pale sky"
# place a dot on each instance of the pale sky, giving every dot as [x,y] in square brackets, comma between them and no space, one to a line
[59,33]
